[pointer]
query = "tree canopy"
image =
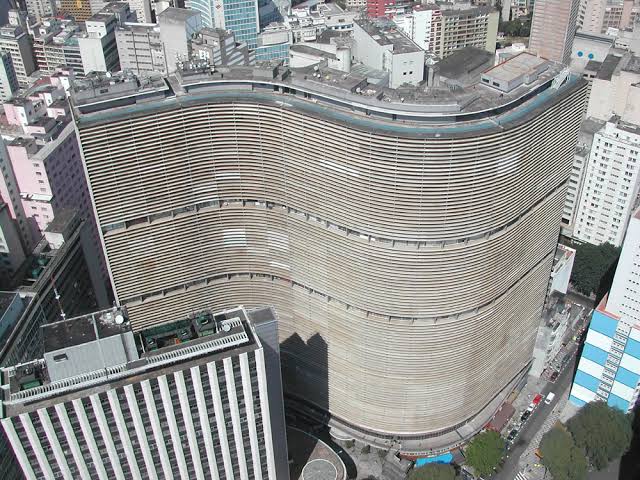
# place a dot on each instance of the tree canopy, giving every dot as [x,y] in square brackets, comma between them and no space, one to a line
[592,265]
[561,456]
[603,432]
[433,471]
[485,452]
[515,28]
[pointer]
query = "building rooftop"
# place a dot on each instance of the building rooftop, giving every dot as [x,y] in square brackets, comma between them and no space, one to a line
[151,352]
[608,67]
[473,11]
[76,331]
[632,64]
[625,126]
[5,300]
[385,32]
[63,220]
[177,14]
[309,50]
[353,99]
[595,37]
[521,65]
[466,64]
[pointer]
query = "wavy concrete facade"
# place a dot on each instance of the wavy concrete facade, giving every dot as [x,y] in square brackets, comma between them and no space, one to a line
[408,262]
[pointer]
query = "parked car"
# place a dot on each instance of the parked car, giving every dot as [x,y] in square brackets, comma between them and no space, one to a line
[554,377]
[525,416]
[550,398]
[512,435]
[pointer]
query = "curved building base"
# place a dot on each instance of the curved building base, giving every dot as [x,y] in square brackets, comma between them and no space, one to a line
[428,444]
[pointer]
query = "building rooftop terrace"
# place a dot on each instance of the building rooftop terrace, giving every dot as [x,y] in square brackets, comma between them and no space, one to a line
[385,32]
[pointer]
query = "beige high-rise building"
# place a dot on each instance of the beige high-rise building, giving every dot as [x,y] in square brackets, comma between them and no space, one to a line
[406,239]
[597,16]
[553,28]
[79,9]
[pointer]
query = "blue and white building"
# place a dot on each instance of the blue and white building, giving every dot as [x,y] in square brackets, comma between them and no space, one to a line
[609,368]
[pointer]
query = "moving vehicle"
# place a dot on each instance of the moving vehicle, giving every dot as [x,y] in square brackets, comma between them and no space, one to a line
[549,398]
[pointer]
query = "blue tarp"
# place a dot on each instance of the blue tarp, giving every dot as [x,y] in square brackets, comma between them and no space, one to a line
[444,458]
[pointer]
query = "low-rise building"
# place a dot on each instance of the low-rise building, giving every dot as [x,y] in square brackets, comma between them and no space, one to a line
[588,47]
[381,46]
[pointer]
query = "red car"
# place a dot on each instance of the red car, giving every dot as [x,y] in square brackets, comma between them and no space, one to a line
[537,399]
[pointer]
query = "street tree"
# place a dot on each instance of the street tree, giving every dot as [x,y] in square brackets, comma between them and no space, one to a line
[433,471]
[485,452]
[592,265]
[561,456]
[603,432]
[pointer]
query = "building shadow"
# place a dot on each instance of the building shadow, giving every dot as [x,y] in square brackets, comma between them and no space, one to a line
[306,388]
[605,282]
[305,372]
[630,462]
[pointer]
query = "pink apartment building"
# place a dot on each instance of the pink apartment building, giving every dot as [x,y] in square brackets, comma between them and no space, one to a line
[42,165]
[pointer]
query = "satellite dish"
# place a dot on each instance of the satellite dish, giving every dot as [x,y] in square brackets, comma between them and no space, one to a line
[119,319]
[226,327]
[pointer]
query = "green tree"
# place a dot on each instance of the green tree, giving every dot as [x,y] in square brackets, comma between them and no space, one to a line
[603,432]
[433,471]
[485,452]
[591,266]
[561,456]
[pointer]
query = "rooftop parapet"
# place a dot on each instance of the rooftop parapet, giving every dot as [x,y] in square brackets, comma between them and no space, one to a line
[98,348]
[350,92]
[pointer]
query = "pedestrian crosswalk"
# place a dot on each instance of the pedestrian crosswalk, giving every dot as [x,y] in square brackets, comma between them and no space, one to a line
[521,476]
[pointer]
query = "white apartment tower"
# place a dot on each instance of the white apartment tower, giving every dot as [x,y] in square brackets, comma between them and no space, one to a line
[610,184]
[8,80]
[624,297]
[140,49]
[198,398]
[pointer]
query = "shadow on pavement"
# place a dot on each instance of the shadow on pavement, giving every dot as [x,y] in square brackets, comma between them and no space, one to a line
[630,463]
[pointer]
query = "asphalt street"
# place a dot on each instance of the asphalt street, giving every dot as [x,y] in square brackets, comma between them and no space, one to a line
[528,431]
